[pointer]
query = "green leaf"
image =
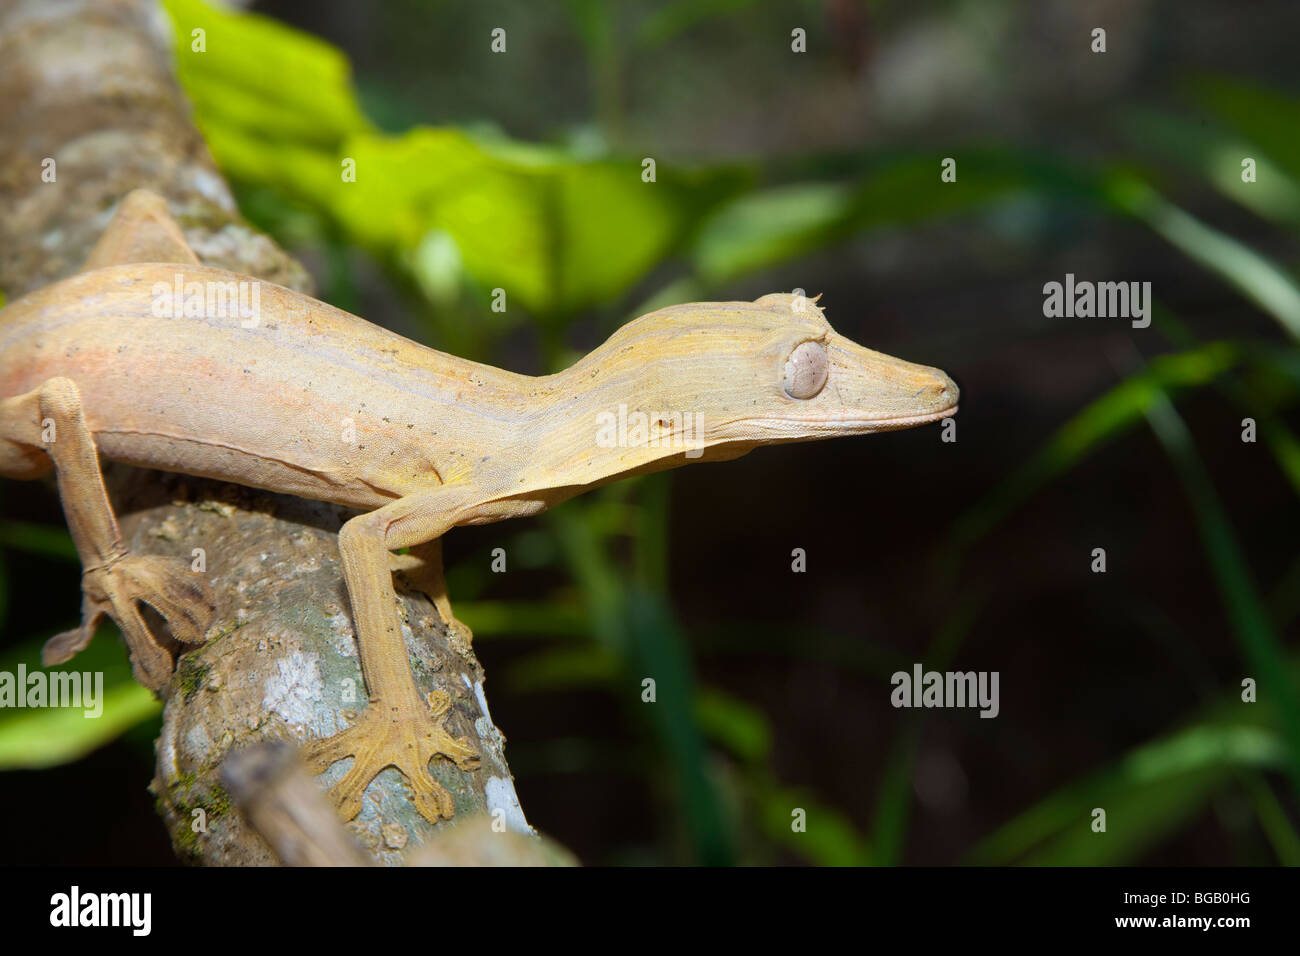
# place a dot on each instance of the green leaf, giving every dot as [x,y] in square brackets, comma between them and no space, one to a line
[828,838]
[736,725]
[1255,276]
[1273,820]
[778,224]
[277,107]
[1146,795]
[43,539]
[522,618]
[566,668]
[1216,154]
[263,76]
[1266,117]
[47,736]
[770,226]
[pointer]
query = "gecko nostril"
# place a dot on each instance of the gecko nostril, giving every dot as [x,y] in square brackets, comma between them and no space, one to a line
[944,390]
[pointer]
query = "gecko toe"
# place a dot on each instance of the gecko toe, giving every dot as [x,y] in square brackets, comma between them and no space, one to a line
[430,798]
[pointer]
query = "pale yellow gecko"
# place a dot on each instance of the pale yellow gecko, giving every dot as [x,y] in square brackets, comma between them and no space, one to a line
[301,398]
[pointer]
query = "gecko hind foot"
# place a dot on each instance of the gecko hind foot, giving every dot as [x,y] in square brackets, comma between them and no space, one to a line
[391,736]
[180,596]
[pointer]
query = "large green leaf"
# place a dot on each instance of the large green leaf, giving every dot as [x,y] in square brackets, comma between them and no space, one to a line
[47,736]
[556,233]
[260,75]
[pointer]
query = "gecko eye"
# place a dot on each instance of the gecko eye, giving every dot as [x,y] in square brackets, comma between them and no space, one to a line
[805,370]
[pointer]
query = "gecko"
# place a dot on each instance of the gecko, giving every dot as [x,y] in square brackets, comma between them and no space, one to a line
[126,361]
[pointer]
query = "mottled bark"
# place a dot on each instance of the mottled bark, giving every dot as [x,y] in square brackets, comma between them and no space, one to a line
[90,85]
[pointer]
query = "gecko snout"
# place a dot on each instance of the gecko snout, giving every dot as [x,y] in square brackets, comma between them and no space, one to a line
[930,391]
[940,392]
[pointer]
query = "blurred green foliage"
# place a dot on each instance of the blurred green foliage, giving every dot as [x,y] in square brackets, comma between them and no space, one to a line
[456,213]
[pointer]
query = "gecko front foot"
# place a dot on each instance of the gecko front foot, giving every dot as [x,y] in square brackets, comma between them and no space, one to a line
[405,737]
[117,589]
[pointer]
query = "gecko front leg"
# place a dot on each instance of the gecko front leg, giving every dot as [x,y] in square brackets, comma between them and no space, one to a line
[45,427]
[399,728]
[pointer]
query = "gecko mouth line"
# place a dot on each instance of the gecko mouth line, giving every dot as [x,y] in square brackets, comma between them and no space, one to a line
[864,423]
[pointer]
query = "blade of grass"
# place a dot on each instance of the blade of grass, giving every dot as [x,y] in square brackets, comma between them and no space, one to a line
[828,838]
[1273,819]
[563,668]
[529,619]
[1255,276]
[636,628]
[1147,794]
[1216,154]
[1250,621]
[893,799]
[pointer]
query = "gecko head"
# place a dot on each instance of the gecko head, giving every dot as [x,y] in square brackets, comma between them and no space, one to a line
[769,372]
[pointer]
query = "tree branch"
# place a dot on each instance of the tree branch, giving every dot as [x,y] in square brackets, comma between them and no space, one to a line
[90,86]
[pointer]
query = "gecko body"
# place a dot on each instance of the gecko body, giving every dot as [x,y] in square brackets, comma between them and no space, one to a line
[308,400]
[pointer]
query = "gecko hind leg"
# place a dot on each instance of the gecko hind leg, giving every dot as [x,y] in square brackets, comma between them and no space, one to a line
[48,423]
[421,570]
[399,728]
